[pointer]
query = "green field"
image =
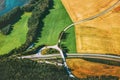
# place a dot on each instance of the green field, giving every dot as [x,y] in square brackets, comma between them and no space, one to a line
[16,37]
[54,23]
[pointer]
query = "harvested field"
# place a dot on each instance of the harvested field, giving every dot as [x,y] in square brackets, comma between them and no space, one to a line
[80,9]
[100,35]
[82,69]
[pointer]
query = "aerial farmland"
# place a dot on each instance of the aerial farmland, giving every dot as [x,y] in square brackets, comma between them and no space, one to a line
[100,35]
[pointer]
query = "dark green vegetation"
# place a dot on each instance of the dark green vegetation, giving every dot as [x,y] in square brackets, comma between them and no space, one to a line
[16,37]
[54,23]
[24,69]
[69,43]
[48,31]
[34,24]
[32,4]
[109,62]
[7,29]
[10,17]
[49,51]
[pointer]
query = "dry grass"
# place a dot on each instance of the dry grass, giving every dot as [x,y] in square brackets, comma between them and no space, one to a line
[100,35]
[82,68]
[80,9]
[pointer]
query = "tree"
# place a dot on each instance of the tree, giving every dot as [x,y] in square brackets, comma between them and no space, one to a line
[6,30]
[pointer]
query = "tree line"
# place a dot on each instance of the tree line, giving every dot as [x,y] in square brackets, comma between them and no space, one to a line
[108,62]
[39,11]
[35,22]
[10,18]
[25,69]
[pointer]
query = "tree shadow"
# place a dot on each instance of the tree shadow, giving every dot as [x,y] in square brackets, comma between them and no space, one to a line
[62,45]
[10,17]
[64,36]
[103,77]
[65,50]
[108,62]
[41,23]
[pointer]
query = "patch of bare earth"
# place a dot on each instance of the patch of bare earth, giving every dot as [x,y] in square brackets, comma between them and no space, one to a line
[83,69]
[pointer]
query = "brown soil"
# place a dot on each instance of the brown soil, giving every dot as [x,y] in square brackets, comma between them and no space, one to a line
[83,69]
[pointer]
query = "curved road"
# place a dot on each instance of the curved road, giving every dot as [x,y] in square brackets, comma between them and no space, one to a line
[81,21]
[88,19]
[98,56]
[62,55]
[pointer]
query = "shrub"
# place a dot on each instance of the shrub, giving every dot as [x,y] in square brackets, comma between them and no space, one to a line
[6,30]
[10,17]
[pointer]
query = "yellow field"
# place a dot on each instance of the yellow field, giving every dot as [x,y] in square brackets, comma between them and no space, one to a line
[79,9]
[82,68]
[100,35]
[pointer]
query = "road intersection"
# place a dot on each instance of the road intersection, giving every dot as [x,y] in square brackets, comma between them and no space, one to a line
[57,47]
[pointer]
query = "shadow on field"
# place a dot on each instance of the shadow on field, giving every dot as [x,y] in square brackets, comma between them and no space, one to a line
[44,14]
[108,62]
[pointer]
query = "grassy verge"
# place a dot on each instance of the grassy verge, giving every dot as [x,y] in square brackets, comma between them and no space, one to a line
[54,23]
[17,36]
